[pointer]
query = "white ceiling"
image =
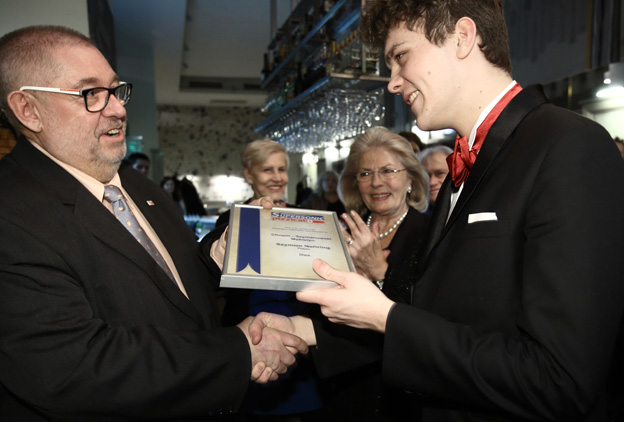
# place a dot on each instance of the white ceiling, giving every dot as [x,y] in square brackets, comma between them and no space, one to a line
[199,39]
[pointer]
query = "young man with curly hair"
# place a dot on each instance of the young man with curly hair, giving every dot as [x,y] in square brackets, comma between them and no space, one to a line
[517,307]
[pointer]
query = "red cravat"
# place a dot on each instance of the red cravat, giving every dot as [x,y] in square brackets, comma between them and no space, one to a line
[462,159]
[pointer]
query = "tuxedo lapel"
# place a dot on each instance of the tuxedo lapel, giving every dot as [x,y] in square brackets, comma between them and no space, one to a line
[522,104]
[436,224]
[438,217]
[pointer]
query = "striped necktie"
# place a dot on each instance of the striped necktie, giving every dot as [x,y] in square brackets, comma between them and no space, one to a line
[123,213]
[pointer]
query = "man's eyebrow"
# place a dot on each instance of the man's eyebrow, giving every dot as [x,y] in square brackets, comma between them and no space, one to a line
[91,82]
[390,52]
[84,82]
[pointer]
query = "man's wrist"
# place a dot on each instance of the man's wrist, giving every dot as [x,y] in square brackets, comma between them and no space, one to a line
[304,329]
[384,314]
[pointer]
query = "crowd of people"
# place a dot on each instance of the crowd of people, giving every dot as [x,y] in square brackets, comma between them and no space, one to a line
[488,283]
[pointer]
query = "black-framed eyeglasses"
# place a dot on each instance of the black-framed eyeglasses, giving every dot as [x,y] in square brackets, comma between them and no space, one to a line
[384,174]
[95,99]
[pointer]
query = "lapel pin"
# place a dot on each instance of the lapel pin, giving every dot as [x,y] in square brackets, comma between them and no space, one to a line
[150,203]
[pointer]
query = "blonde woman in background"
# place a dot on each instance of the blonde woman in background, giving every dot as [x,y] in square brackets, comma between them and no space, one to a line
[265,167]
[296,397]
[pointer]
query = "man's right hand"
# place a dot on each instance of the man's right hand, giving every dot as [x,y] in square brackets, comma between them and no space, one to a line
[298,325]
[273,353]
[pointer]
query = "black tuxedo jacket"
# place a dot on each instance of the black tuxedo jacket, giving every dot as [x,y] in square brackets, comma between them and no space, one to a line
[91,328]
[518,305]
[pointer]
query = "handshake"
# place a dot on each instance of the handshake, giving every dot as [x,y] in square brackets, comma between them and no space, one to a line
[274,340]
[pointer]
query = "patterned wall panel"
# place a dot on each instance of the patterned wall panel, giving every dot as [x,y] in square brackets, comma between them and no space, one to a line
[207,143]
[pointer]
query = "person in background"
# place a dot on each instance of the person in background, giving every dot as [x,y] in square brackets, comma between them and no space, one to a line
[140,162]
[414,140]
[172,187]
[517,310]
[106,312]
[303,191]
[8,136]
[385,188]
[265,168]
[297,395]
[326,195]
[193,203]
[619,142]
[433,159]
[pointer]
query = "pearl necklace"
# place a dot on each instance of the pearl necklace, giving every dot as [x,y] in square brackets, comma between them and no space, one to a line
[399,221]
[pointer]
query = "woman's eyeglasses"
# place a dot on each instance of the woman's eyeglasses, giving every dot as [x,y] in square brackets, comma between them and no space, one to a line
[384,174]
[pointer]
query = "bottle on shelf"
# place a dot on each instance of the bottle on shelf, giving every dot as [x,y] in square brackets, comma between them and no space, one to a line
[299,80]
[333,58]
[270,56]
[265,68]
[289,87]
[334,48]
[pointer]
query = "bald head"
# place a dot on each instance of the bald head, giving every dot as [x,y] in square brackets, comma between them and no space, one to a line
[27,58]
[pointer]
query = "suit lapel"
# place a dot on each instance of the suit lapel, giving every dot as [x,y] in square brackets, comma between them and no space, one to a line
[160,221]
[105,226]
[90,213]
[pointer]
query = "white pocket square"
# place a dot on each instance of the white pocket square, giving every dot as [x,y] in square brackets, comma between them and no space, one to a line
[482,216]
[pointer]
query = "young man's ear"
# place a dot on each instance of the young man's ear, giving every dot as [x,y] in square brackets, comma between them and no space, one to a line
[25,109]
[466,37]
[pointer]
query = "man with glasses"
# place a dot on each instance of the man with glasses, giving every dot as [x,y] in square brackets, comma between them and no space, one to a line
[95,99]
[106,312]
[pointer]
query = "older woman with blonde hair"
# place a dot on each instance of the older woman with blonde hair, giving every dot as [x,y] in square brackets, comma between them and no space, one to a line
[385,188]
[265,167]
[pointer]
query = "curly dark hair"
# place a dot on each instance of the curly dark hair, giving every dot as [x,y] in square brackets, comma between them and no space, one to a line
[437,19]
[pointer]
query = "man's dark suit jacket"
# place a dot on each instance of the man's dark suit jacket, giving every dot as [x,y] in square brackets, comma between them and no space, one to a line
[91,328]
[517,318]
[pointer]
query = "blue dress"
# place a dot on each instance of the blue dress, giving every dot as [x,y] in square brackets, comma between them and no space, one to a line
[298,390]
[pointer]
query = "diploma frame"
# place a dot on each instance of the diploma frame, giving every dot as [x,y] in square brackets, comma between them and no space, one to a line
[274,249]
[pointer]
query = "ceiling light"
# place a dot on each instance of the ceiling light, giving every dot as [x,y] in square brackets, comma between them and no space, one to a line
[332,154]
[309,158]
[612,91]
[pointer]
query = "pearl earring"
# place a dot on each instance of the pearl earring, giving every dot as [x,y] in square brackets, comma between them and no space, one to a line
[409,190]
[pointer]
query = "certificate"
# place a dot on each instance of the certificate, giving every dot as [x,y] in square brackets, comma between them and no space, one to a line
[274,249]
